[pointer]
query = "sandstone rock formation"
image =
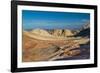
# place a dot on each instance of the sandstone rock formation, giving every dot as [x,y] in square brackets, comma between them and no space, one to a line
[40,45]
[69,33]
[58,32]
[63,32]
[40,32]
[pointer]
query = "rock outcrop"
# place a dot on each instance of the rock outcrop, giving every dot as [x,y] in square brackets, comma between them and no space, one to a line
[63,32]
[69,33]
[40,32]
[55,32]
[58,32]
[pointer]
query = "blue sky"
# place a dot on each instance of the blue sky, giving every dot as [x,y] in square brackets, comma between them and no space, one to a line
[53,20]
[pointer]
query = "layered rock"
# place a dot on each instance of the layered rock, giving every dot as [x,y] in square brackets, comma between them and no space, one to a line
[40,32]
[69,33]
[58,32]
[63,32]
[36,48]
[47,45]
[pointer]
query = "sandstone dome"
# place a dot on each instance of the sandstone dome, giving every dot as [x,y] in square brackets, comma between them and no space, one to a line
[68,32]
[40,32]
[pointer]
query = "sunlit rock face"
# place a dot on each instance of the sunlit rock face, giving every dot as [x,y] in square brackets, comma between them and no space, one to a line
[58,32]
[40,32]
[55,32]
[68,33]
[63,32]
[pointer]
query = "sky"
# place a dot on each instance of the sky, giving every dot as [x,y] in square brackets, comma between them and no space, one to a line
[53,20]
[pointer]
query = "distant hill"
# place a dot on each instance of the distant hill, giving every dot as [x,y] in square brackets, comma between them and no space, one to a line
[85,31]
